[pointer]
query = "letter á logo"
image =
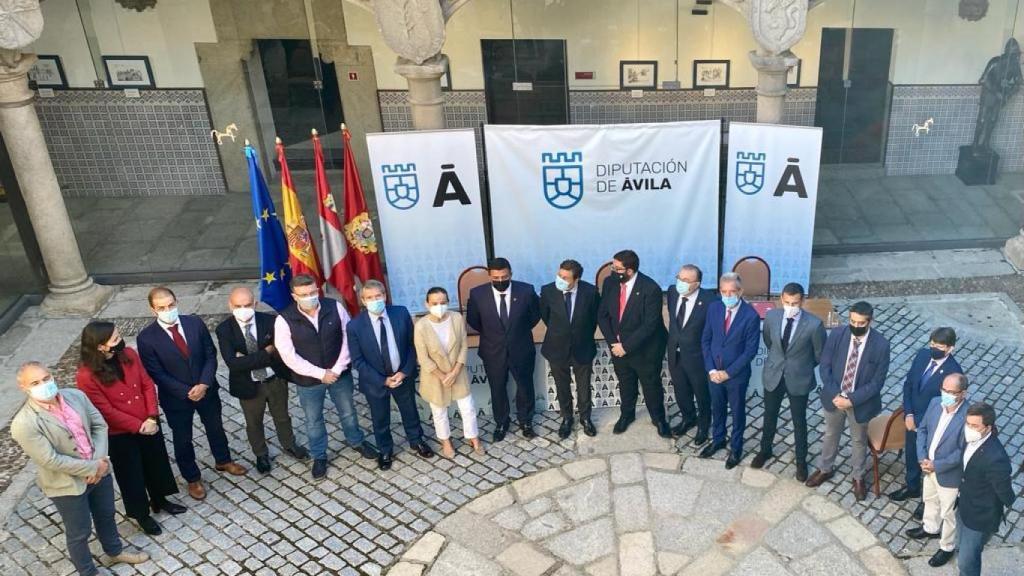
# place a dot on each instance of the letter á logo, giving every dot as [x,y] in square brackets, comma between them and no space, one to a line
[401,186]
[563,178]
[750,172]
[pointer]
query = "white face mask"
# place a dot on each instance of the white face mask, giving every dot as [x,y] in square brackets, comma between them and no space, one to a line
[243,314]
[971,434]
[438,310]
[790,311]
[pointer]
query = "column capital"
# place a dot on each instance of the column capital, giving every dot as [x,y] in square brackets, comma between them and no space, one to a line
[431,69]
[14,67]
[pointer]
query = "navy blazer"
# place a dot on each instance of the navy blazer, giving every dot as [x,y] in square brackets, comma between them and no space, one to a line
[917,395]
[642,328]
[365,351]
[949,454]
[986,491]
[732,352]
[688,338]
[566,340]
[872,369]
[173,374]
[498,344]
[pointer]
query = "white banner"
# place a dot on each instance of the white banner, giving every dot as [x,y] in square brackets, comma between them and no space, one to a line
[586,192]
[427,186]
[771,194]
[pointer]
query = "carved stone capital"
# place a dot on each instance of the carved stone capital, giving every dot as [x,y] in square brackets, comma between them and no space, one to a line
[21,23]
[14,67]
[431,69]
[414,29]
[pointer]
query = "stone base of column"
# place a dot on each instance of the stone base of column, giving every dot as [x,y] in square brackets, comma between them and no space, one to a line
[82,299]
[771,84]
[426,100]
[1014,251]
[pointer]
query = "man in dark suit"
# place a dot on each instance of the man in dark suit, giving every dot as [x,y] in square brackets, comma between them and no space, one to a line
[257,376]
[924,380]
[380,341]
[178,353]
[854,365]
[729,343]
[986,492]
[568,307]
[504,312]
[688,309]
[631,320]
[794,340]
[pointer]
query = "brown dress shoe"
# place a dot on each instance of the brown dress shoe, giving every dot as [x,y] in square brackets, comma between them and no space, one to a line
[196,490]
[860,490]
[818,478]
[233,468]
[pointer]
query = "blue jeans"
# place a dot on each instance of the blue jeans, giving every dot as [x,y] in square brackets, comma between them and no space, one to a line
[311,398]
[95,505]
[971,543]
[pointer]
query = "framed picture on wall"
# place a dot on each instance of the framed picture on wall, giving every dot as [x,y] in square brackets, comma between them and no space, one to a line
[48,72]
[710,73]
[793,75]
[638,74]
[129,72]
[446,78]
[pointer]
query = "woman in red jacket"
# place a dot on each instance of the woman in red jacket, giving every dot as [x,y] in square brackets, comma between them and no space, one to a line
[113,378]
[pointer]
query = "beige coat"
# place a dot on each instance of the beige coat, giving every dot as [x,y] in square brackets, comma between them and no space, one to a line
[432,357]
[62,472]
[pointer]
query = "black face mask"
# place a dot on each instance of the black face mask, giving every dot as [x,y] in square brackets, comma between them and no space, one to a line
[621,277]
[858,331]
[119,347]
[501,285]
[936,353]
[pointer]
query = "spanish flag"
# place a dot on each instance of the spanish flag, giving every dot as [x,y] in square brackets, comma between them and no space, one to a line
[301,252]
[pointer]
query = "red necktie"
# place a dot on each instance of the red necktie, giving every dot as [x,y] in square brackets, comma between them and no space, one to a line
[178,340]
[728,319]
[623,293]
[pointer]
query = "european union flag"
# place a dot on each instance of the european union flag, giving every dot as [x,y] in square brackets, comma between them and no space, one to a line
[274,271]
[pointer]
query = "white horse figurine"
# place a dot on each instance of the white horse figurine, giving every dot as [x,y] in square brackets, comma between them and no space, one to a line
[926,127]
[228,132]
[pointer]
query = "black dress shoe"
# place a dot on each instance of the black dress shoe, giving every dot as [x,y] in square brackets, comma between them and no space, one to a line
[919,534]
[903,494]
[384,461]
[664,430]
[319,468]
[801,473]
[940,558]
[149,526]
[263,464]
[423,450]
[711,449]
[527,431]
[700,438]
[762,458]
[733,460]
[499,432]
[366,450]
[565,429]
[682,428]
[622,424]
[298,452]
[588,427]
[171,508]
[919,511]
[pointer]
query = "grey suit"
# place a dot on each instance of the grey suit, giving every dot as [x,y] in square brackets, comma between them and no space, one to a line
[789,371]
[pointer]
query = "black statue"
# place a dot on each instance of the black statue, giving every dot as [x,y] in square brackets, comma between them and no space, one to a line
[999,82]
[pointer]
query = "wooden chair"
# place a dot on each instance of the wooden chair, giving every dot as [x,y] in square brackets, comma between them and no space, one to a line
[756,275]
[603,272]
[886,432]
[470,278]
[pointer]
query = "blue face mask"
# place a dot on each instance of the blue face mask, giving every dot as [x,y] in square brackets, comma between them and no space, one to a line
[375,306]
[948,400]
[730,301]
[168,316]
[682,287]
[44,391]
[561,284]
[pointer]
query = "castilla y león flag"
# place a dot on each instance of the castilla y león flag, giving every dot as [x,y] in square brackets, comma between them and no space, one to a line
[301,251]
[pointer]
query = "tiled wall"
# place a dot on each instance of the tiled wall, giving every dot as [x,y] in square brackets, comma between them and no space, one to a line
[104,144]
[955,111]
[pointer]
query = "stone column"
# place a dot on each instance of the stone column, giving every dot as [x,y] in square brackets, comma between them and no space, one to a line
[71,289]
[1014,247]
[426,100]
[771,84]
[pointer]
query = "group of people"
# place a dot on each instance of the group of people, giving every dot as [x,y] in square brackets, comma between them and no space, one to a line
[112,420]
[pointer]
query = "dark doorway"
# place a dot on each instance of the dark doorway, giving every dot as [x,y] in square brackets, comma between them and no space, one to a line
[854,94]
[303,94]
[525,81]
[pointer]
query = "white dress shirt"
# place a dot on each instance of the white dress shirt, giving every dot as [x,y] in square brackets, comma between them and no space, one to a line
[298,364]
[392,344]
[628,287]
[691,302]
[860,357]
[972,447]
[940,429]
[796,322]
[497,298]
[167,329]
[572,300]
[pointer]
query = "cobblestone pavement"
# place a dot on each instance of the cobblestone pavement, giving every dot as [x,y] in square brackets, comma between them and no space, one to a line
[361,521]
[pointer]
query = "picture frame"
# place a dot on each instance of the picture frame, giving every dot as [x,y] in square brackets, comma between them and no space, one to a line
[48,72]
[638,74]
[793,75]
[711,73]
[446,78]
[128,72]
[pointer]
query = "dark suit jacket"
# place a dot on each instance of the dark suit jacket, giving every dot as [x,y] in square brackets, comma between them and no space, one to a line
[872,369]
[985,490]
[365,351]
[173,373]
[642,329]
[917,394]
[732,352]
[687,338]
[565,341]
[498,344]
[232,342]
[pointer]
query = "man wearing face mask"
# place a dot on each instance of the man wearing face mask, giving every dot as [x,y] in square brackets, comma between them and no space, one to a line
[923,383]
[504,312]
[178,353]
[854,365]
[257,377]
[568,307]
[986,491]
[380,339]
[631,320]
[729,343]
[794,340]
[310,337]
[688,309]
[941,443]
[66,437]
